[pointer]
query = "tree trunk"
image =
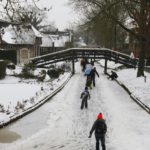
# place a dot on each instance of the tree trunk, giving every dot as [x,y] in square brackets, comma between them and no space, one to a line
[141,63]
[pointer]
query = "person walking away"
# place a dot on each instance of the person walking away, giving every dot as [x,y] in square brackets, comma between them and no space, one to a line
[88,69]
[88,74]
[92,73]
[100,129]
[84,96]
[83,64]
[89,81]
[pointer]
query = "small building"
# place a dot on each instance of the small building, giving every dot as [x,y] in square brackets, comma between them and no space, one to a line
[20,42]
[47,45]
[53,43]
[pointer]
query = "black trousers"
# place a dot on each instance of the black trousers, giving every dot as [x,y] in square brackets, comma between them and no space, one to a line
[102,139]
[84,103]
[93,80]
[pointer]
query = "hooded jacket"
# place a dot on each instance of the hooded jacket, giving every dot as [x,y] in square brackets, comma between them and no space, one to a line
[99,126]
[85,94]
[93,72]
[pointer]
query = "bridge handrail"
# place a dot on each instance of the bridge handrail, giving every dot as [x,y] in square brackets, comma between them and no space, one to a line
[101,53]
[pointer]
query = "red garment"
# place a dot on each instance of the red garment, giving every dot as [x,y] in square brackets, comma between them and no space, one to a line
[100,116]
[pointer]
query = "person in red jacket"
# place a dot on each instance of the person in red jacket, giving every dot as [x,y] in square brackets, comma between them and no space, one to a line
[100,129]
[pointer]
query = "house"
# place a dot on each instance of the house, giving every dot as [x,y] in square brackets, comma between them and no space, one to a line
[47,45]
[54,42]
[20,42]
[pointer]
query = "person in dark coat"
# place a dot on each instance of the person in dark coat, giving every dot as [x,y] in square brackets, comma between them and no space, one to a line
[100,129]
[93,73]
[85,95]
[83,64]
[89,81]
[113,75]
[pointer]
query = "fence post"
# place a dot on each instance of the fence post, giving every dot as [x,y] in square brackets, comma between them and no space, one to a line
[73,67]
[105,67]
[145,79]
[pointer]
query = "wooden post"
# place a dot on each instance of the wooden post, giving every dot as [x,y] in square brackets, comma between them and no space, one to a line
[145,79]
[105,67]
[53,46]
[73,67]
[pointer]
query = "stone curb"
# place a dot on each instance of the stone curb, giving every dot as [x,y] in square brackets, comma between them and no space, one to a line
[138,101]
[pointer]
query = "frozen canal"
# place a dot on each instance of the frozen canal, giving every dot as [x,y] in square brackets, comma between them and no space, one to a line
[60,124]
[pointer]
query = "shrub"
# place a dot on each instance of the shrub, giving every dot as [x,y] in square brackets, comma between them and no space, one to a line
[30,66]
[41,75]
[11,66]
[66,67]
[60,71]
[2,69]
[53,73]
[52,66]
[27,71]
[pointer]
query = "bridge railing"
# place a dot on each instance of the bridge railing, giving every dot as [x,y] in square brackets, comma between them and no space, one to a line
[91,53]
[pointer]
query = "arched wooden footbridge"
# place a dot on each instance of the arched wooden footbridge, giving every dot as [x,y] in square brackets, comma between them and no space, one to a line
[91,53]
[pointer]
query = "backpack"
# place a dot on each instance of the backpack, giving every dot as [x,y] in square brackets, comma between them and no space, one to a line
[85,94]
[100,127]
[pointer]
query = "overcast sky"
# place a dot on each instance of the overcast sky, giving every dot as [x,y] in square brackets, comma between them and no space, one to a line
[62,14]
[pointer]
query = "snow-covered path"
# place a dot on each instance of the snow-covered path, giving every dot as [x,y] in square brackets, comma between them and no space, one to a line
[68,126]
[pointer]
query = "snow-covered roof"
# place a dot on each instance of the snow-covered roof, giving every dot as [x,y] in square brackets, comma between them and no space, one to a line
[47,41]
[59,41]
[48,28]
[36,32]
[20,34]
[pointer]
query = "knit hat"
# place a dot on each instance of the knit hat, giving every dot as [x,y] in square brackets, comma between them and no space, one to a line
[100,116]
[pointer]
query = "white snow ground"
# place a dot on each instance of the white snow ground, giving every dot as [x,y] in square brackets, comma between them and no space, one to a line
[128,125]
[27,92]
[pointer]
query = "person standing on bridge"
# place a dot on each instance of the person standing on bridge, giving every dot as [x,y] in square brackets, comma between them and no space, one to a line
[84,96]
[100,129]
[92,73]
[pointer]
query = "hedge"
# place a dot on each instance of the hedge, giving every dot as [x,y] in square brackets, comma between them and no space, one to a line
[2,69]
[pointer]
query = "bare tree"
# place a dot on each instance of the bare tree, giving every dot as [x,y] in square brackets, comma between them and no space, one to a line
[23,11]
[31,15]
[137,11]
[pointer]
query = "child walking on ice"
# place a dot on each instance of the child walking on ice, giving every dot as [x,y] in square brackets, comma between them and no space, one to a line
[84,96]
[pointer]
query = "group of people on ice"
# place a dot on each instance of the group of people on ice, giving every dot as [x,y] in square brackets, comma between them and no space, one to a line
[90,72]
[99,125]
